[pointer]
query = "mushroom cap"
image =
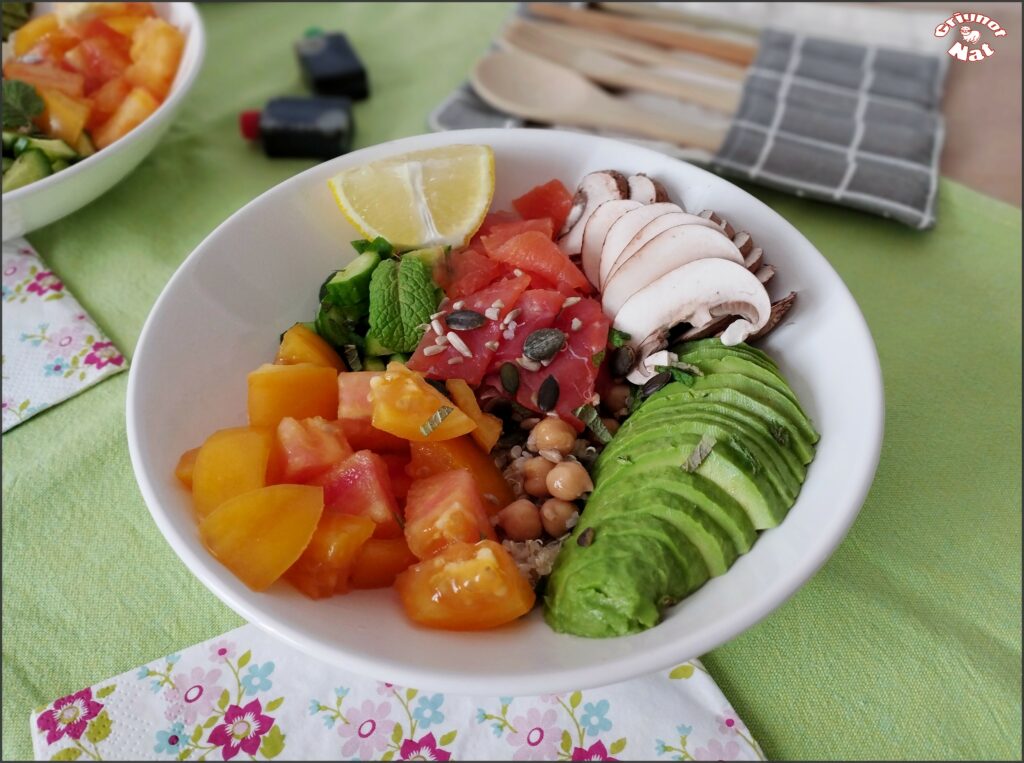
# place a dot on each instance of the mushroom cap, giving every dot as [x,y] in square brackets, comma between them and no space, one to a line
[596,230]
[624,229]
[658,225]
[667,251]
[697,293]
[642,189]
[595,189]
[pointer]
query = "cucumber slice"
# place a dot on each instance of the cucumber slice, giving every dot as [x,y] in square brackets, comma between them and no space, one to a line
[375,348]
[351,285]
[31,166]
[59,165]
[54,149]
[9,140]
[373,364]
[399,357]
[84,146]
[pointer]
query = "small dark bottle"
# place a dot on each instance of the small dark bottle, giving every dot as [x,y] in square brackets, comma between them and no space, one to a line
[317,127]
[330,66]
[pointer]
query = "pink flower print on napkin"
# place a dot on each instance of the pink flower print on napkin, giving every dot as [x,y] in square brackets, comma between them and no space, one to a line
[45,281]
[717,751]
[367,731]
[424,748]
[596,751]
[222,651]
[103,354]
[69,716]
[67,340]
[729,722]
[536,735]
[194,695]
[241,729]
[385,689]
[16,269]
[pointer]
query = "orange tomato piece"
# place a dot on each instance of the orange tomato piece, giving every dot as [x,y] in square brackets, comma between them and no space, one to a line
[362,435]
[403,402]
[488,427]
[105,101]
[133,111]
[125,25]
[443,509]
[156,51]
[300,345]
[98,60]
[64,117]
[324,567]
[429,458]
[54,45]
[229,463]
[361,485]
[400,479]
[379,562]
[186,465]
[258,535]
[46,76]
[306,449]
[31,33]
[354,400]
[465,587]
[300,391]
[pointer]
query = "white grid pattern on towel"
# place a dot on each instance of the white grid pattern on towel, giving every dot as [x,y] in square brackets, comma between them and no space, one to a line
[780,105]
[858,116]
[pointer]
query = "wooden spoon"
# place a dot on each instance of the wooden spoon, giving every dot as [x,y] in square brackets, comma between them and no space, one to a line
[533,88]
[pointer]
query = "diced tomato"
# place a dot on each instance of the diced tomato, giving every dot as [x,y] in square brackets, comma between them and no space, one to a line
[538,310]
[156,50]
[324,567]
[574,368]
[502,232]
[430,458]
[97,28]
[488,427]
[397,464]
[536,253]
[464,271]
[105,101]
[133,111]
[552,199]
[307,448]
[186,465]
[490,220]
[99,60]
[404,404]
[354,394]
[360,485]
[472,369]
[53,46]
[31,32]
[64,116]
[300,345]
[466,587]
[363,435]
[379,562]
[46,76]
[443,509]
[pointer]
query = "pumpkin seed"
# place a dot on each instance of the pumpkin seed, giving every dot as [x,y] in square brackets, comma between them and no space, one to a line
[464,320]
[547,395]
[543,344]
[623,360]
[510,378]
[586,537]
[655,383]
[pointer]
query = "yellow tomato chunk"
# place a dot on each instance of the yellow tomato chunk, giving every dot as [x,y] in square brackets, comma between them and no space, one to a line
[229,463]
[299,391]
[405,405]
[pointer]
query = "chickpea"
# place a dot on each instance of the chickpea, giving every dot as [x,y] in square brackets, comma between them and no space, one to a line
[568,481]
[556,515]
[617,398]
[535,472]
[552,434]
[612,425]
[521,520]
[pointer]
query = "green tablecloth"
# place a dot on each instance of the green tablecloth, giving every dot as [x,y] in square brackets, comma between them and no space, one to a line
[907,644]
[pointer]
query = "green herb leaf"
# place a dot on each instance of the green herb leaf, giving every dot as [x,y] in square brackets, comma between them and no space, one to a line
[751,460]
[21,104]
[588,415]
[618,338]
[625,460]
[338,325]
[403,296]
[380,245]
[598,359]
[273,743]
[678,374]
[15,15]
[435,420]
[98,728]
[702,451]
[779,433]
[448,738]
[617,746]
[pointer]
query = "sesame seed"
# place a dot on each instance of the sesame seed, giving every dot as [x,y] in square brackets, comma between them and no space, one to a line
[529,365]
[512,325]
[434,349]
[576,324]
[441,340]
[459,305]
[508,333]
[571,301]
[454,361]
[436,325]
[491,345]
[459,345]
[492,313]
[517,272]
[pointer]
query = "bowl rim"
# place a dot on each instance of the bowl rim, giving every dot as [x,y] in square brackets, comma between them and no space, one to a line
[178,91]
[729,625]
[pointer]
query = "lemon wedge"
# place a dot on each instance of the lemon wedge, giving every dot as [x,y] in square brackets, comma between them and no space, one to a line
[435,197]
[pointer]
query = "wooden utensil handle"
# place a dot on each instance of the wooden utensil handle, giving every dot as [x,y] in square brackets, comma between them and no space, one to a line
[673,36]
[619,115]
[723,99]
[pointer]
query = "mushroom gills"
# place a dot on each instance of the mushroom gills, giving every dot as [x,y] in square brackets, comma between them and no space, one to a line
[624,229]
[595,189]
[669,250]
[595,233]
[658,225]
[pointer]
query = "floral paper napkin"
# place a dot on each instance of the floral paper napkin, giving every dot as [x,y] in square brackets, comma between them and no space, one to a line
[52,349]
[248,695]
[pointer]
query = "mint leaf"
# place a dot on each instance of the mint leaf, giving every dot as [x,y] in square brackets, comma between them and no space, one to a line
[403,296]
[380,245]
[21,104]
[618,338]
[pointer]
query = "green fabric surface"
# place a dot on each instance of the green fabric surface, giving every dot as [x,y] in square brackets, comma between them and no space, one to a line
[907,643]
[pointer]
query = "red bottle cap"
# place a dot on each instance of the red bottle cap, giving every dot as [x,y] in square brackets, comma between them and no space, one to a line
[249,124]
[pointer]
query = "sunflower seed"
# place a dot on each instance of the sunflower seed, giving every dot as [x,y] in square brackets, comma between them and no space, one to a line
[441,340]
[511,315]
[434,349]
[529,365]
[492,313]
[517,272]
[455,361]
[497,304]
[510,378]
[543,344]
[571,301]
[438,328]
[458,305]
[547,395]
[465,320]
[586,537]
[623,359]
[459,345]
[437,315]
[655,383]
[576,324]
[491,345]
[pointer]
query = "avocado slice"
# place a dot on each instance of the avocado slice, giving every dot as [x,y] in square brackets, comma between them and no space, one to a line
[735,364]
[714,346]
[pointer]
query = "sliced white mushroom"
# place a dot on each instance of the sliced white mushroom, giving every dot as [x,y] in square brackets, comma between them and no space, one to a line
[645,190]
[667,251]
[658,225]
[647,366]
[623,231]
[596,230]
[595,189]
[752,259]
[697,293]
[764,273]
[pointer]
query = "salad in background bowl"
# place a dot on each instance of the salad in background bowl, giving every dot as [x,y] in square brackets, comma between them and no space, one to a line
[381,426]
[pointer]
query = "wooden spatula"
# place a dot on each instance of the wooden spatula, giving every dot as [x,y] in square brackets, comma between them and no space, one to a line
[533,88]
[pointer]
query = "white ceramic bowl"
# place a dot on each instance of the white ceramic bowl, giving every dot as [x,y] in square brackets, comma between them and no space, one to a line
[45,201]
[220,315]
